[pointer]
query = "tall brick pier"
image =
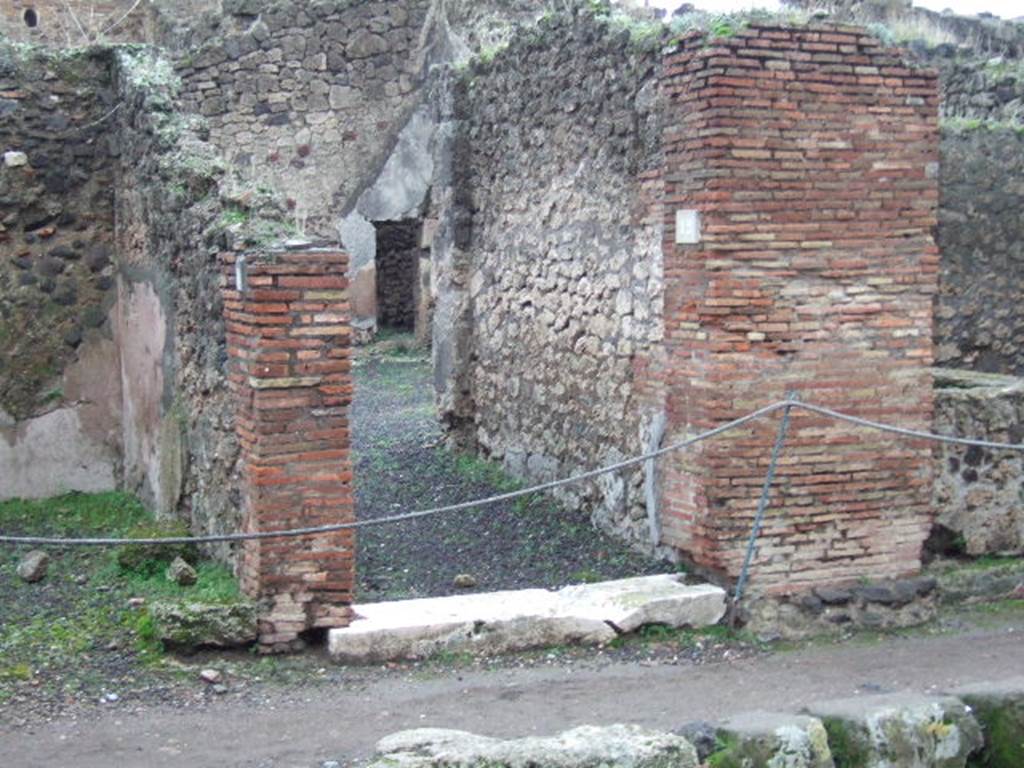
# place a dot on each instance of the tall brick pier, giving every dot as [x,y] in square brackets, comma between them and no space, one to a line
[801,169]
[289,349]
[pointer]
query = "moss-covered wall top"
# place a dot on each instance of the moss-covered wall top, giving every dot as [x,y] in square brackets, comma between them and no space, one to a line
[56,216]
[178,208]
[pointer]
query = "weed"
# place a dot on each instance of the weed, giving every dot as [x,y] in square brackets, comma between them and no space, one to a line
[968,125]
[482,472]
[848,750]
[585,576]
[232,217]
[60,633]
[1003,723]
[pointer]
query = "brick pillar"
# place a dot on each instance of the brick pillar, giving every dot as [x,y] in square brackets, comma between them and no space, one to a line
[810,156]
[288,337]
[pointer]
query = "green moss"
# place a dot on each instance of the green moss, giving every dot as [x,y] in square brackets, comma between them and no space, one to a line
[726,754]
[76,514]
[152,559]
[970,125]
[1002,723]
[848,749]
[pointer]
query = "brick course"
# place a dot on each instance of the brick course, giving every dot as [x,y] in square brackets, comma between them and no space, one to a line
[811,155]
[288,338]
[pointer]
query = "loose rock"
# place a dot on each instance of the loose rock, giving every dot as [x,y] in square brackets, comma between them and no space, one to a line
[464,581]
[195,625]
[181,573]
[33,566]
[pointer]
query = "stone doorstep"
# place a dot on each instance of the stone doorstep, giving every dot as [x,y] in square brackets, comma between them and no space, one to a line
[500,622]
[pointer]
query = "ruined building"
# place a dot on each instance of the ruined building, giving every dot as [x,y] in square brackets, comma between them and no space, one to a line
[614,233]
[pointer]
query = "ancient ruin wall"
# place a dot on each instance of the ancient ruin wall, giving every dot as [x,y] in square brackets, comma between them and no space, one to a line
[74,23]
[556,266]
[980,309]
[811,156]
[979,493]
[308,98]
[175,211]
[59,387]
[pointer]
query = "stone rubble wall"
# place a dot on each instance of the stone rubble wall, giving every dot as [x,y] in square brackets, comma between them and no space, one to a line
[308,98]
[553,238]
[176,210]
[979,493]
[59,387]
[980,307]
[73,23]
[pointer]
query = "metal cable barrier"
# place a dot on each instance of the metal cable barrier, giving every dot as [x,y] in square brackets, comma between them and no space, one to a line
[783,405]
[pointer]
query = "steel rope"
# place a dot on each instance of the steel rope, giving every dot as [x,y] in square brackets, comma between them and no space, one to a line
[314,531]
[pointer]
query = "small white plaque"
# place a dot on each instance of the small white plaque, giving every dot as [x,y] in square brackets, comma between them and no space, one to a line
[687,226]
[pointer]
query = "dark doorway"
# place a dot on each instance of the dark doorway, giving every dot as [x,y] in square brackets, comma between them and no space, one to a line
[398,257]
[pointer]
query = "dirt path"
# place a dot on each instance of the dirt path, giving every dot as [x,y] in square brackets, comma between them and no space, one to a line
[343,725]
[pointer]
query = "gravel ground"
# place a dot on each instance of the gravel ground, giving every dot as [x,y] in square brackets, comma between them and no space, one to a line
[401,466]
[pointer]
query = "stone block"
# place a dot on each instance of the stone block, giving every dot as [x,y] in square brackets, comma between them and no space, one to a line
[624,746]
[900,731]
[515,620]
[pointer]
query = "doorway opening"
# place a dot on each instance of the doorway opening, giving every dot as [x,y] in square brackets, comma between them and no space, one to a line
[399,253]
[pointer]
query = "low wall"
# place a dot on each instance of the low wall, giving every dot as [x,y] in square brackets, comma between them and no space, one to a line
[979,493]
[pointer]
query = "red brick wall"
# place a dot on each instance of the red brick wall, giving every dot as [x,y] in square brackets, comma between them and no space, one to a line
[811,155]
[289,349]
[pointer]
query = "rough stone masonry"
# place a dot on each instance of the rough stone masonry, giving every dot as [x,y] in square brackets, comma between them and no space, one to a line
[807,158]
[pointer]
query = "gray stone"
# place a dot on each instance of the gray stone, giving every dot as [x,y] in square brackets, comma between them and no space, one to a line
[210,676]
[33,566]
[464,581]
[15,159]
[779,741]
[193,625]
[903,730]
[366,44]
[702,734]
[499,622]
[181,573]
[624,746]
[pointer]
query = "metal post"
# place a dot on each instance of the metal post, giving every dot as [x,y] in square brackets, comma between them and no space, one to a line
[762,504]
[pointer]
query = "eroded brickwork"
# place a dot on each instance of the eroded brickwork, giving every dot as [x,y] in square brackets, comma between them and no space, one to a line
[811,155]
[288,341]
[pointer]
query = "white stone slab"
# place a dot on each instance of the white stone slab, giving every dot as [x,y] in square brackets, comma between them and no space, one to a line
[499,622]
